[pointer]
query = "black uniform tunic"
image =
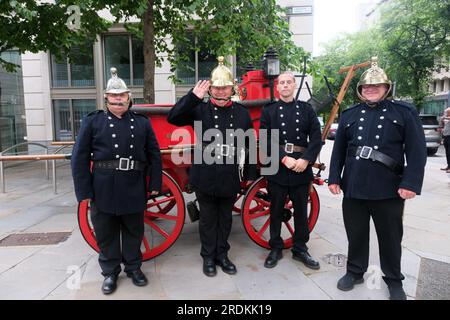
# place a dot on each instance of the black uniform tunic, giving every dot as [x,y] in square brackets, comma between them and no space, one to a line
[370,187]
[103,136]
[220,178]
[298,124]
[393,128]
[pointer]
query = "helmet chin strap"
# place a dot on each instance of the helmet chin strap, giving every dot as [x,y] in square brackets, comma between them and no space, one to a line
[219,99]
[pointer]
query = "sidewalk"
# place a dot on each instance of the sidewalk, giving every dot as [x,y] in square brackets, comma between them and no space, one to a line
[47,271]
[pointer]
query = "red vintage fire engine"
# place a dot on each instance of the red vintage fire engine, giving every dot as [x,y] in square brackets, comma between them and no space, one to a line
[165,214]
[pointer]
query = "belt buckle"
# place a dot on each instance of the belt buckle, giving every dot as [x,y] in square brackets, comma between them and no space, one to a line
[227,148]
[365,152]
[127,162]
[289,148]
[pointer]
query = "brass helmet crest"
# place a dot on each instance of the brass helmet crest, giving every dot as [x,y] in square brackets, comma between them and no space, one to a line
[221,76]
[374,75]
[115,84]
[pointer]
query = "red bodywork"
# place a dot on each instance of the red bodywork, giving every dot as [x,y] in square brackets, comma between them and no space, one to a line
[254,92]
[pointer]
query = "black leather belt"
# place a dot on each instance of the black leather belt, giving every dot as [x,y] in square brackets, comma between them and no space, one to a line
[365,152]
[122,164]
[291,148]
[224,150]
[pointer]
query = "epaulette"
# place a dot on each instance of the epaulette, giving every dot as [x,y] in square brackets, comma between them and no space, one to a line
[403,104]
[270,104]
[94,112]
[139,114]
[352,107]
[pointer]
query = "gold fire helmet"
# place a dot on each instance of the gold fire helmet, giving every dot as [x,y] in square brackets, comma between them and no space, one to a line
[221,76]
[374,75]
[115,84]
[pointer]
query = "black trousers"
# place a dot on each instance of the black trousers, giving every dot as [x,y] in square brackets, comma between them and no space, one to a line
[387,216]
[299,197]
[214,224]
[119,238]
[447,149]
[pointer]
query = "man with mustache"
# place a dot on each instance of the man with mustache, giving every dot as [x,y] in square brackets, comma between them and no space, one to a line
[123,150]
[372,141]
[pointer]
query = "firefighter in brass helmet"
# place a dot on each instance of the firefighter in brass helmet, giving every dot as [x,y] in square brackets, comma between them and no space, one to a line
[216,181]
[121,145]
[373,140]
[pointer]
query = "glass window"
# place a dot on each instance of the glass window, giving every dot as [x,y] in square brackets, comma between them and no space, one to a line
[117,54]
[207,61]
[138,61]
[62,118]
[79,72]
[81,107]
[12,109]
[68,115]
[82,68]
[186,70]
[60,76]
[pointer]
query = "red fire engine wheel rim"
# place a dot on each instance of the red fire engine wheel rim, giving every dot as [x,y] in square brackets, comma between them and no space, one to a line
[256,214]
[162,229]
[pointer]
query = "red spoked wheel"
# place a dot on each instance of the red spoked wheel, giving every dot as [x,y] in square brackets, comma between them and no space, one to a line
[256,214]
[238,203]
[156,206]
[162,229]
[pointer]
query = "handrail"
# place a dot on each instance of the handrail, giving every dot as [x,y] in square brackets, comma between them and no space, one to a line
[24,143]
[53,157]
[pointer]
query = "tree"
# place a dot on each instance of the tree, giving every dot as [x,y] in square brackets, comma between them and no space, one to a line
[223,25]
[29,25]
[346,50]
[409,40]
[416,34]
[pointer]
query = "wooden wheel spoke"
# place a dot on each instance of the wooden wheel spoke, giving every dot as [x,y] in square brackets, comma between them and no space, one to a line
[156,228]
[264,228]
[146,244]
[162,216]
[259,214]
[262,202]
[157,203]
[291,230]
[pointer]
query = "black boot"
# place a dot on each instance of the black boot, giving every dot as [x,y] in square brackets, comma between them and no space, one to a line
[109,284]
[209,267]
[306,259]
[226,265]
[138,277]
[396,292]
[347,282]
[272,258]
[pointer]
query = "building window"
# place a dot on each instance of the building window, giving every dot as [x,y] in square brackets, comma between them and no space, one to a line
[67,115]
[12,109]
[79,72]
[126,54]
[198,66]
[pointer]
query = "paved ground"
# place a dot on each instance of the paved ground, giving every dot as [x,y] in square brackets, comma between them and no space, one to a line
[47,271]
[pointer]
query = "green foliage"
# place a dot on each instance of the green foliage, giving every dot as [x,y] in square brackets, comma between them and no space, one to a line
[29,25]
[409,39]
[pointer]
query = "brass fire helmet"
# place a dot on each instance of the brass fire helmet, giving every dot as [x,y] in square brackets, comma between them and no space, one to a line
[221,76]
[116,85]
[374,75]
